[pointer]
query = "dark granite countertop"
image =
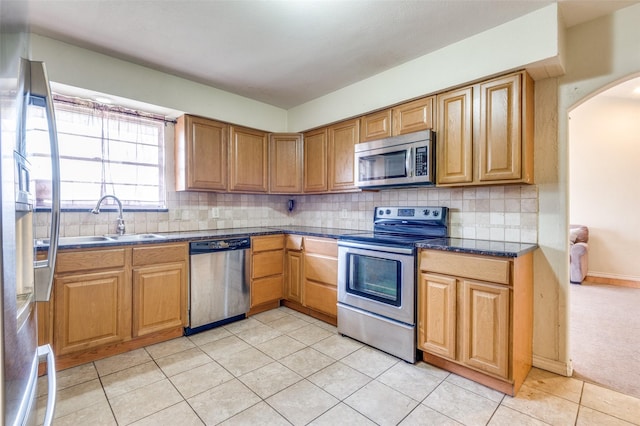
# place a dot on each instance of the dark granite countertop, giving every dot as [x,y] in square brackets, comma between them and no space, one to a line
[481,247]
[458,245]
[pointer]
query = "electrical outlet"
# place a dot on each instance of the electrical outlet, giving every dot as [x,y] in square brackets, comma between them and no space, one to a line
[215,212]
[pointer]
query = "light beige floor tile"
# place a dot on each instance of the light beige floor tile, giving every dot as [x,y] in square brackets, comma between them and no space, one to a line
[280,347]
[192,382]
[218,404]
[588,417]
[339,380]
[259,414]
[270,379]
[73,399]
[422,416]
[329,327]
[169,347]
[132,378]
[144,401]
[337,346]
[224,346]
[73,376]
[183,361]
[310,334]
[342,414]
[460,404]
[270,316]
[543,406]
[610,402]
[474,387]
[179,414]
[288,323]
[258,334]
[301,402]
[98,414]
[209,336]
[307,361]
[370,361]
[433,370]
[380,403]
[505,416]
[122,361]
[415,381]
[243,325]
[564,387]
[242,362]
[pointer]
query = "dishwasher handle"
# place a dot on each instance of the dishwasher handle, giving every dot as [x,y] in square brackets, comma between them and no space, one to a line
[212,246]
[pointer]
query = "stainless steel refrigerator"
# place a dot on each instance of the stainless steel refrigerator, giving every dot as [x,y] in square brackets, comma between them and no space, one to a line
[25,280]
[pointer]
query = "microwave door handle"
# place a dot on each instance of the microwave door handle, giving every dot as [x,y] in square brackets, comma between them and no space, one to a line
[44,269]
[409,164]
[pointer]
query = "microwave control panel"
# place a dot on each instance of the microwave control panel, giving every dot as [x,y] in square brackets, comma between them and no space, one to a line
[422,161]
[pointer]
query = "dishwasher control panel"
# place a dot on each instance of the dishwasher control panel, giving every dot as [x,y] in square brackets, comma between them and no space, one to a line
[208,246]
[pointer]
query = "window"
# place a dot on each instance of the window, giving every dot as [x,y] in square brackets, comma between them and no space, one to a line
[103,150]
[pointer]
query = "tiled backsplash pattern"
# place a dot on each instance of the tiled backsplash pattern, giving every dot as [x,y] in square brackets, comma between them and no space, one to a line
[504,213]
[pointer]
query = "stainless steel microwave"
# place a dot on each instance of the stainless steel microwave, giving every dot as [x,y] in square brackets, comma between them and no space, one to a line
[405,160]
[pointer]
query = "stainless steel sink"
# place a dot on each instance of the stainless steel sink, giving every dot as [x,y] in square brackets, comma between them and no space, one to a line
[70,241]
[136,237]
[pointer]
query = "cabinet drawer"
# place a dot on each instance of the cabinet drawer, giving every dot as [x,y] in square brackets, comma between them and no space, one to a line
[321,269]
[272,242]
[267,263]
[293,242]
[266,290]
[149,255]
[86,260]
[461,265]
[321,298]
[323,246]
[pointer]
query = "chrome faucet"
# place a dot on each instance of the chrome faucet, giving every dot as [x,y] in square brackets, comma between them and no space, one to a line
[120,228]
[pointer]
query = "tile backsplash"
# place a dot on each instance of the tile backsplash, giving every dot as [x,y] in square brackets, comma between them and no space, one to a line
[502,213]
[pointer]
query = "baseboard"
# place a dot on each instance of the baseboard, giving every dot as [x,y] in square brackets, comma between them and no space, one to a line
[558,367]
[608,280]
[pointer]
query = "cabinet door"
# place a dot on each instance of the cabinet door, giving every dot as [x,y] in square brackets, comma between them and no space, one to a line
[413,116]
[500,138]
[455,137]
[321,275]
[293,276]
[375,126]
[285,163]
[248,160]
[437,315]
[201,154]
[159,298]
[485,327]
[91,309]
[342,139]
[315,161]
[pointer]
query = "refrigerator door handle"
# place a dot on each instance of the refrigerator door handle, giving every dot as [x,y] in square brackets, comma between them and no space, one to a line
[44,269]
[45,353]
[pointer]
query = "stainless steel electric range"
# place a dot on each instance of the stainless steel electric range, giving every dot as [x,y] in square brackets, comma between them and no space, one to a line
[377,277]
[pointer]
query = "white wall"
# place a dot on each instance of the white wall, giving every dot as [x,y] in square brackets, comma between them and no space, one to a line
[604,156]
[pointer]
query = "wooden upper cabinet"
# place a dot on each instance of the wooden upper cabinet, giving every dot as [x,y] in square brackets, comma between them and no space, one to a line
[285,163]
[315,161]
[455,137]
[248,160]
[200,154]
[375,126]
[413,116]
[342,138]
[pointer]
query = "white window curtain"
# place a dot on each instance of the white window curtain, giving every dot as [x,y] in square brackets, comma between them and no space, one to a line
[107,150]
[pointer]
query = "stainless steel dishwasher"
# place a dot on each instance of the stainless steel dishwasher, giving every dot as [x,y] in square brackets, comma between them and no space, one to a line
[219,291]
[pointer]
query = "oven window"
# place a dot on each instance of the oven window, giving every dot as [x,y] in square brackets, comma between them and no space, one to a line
[374,278]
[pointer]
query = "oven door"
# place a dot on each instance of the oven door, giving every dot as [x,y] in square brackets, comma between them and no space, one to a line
[377,279]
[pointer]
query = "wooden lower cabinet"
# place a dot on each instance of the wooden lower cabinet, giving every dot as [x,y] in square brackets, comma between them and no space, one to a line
[267,272]
[475,316]
[321,275]
[110,300]
[293,269]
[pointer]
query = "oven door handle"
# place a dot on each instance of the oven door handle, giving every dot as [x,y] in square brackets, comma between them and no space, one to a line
[376,247]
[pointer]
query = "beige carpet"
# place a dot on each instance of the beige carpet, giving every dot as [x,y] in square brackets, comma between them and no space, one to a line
[605,336]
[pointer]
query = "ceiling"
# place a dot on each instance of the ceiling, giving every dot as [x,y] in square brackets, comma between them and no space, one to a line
[281,52]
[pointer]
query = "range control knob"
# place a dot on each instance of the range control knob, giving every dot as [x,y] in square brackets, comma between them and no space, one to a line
[436,213]
[426,212]
[388,211]
[381,212]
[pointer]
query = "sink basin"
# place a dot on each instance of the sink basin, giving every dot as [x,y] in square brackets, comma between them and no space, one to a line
[70,241]
[136,237]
